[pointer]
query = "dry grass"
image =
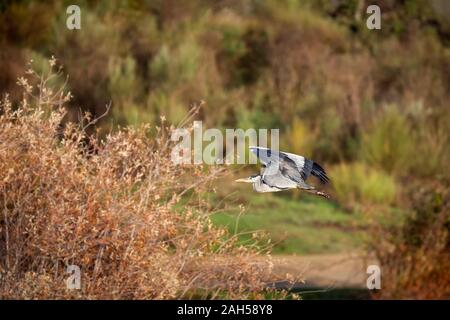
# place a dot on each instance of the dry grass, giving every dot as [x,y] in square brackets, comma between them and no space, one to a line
[114,209]
[415,256]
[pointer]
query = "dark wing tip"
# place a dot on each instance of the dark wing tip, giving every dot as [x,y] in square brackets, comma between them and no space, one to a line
[320,173]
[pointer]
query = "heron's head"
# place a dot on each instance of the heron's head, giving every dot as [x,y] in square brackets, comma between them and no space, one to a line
[250,179]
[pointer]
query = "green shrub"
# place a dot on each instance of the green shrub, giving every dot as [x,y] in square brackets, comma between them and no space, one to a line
[415,143]
[299,137]
[159,67]
[123,82]
[388,143]
[171,67]
[358,183]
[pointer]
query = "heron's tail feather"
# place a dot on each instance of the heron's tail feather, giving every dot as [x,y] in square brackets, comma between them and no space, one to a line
[320,173]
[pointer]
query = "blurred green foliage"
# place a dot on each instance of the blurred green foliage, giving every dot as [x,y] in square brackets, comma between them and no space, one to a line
[357,183]
[388,143]
[371,105]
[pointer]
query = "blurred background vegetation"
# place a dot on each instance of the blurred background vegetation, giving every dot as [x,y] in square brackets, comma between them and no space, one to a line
[371,105]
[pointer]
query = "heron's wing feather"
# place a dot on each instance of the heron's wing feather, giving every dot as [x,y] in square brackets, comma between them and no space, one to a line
[273,177]
[280,165]
[293,166]
[320,173]
[289,168]
[306,167]
[266,155]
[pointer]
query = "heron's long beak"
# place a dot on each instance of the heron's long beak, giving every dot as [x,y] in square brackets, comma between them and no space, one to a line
[248,180]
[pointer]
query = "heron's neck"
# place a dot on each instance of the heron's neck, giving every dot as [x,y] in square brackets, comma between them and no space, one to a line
[257,184]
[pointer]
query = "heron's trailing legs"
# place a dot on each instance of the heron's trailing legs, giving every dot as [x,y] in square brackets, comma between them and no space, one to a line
[311,189]
[318,193]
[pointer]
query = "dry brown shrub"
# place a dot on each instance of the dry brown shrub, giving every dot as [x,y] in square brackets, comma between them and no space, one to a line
[415,256]
[121,212]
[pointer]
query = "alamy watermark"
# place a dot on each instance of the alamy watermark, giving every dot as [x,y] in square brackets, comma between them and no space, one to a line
[374,278]
[74,280]
[374,20]
[74,19]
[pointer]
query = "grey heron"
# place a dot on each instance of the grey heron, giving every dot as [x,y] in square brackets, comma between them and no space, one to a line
[283,171]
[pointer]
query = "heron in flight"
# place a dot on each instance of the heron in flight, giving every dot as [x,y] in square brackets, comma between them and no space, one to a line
[282,171]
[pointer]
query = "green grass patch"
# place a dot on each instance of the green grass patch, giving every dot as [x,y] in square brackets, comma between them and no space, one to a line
[304,225]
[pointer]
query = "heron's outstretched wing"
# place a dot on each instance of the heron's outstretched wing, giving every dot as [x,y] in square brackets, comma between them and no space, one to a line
[320,173]
[273,177]
[292,166]
[281,170]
